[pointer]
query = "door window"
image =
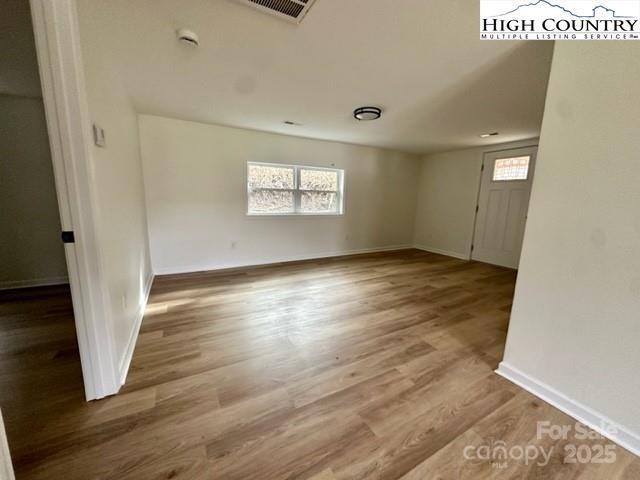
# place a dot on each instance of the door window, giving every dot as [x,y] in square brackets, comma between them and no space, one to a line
[511,169]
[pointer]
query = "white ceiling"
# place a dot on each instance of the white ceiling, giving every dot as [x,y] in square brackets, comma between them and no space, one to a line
[420,60]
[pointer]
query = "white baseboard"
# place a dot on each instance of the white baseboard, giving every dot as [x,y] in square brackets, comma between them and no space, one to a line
[292,258]
[623,436]
[439,251]
[125,361]
[35,282]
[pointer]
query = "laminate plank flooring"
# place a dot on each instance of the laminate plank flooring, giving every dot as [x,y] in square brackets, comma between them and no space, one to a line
[363,367]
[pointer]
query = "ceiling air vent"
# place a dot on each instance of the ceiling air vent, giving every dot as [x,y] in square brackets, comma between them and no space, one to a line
[291,10]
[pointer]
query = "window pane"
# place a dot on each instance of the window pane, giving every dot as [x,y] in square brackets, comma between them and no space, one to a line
[267,176]
[271,201]
[508,169]
[325,180]
[319,202]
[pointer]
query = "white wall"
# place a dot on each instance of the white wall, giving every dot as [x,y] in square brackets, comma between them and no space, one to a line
[19,67]
[31,252]
[575,325]
[447,198]
[195,183]
[121,217]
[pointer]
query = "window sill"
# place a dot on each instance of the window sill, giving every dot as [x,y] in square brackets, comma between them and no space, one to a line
[293,215]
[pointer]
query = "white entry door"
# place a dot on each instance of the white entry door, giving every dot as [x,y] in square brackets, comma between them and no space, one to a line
[502,206]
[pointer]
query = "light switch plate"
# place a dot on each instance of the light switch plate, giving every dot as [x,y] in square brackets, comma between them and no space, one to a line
[98,136]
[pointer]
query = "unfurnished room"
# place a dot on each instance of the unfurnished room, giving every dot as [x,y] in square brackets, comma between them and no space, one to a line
[319,239]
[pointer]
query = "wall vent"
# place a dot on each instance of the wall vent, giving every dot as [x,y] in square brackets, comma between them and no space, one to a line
[290,10]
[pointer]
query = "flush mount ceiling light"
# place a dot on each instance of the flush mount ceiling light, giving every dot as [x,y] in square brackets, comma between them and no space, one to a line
[367,113]
[487,135]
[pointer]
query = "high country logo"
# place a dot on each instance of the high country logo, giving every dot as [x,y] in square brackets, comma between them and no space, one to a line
[560,20]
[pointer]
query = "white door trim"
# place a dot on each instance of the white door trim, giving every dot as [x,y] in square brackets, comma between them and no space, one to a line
[6,468]
[57,38]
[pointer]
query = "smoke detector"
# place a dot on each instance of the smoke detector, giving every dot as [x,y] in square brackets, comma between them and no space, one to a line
[188,37]
[291,10]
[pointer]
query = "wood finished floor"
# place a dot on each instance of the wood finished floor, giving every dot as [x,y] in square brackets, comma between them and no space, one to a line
[368,367]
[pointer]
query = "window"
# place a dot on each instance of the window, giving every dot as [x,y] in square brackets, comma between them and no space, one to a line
[510,169]
[275,189]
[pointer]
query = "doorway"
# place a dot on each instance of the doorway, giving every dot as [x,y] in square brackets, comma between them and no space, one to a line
[503,203]
[39,354]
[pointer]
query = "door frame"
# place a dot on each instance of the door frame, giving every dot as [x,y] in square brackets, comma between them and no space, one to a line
[6,467]
[533,143]
[57,36]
